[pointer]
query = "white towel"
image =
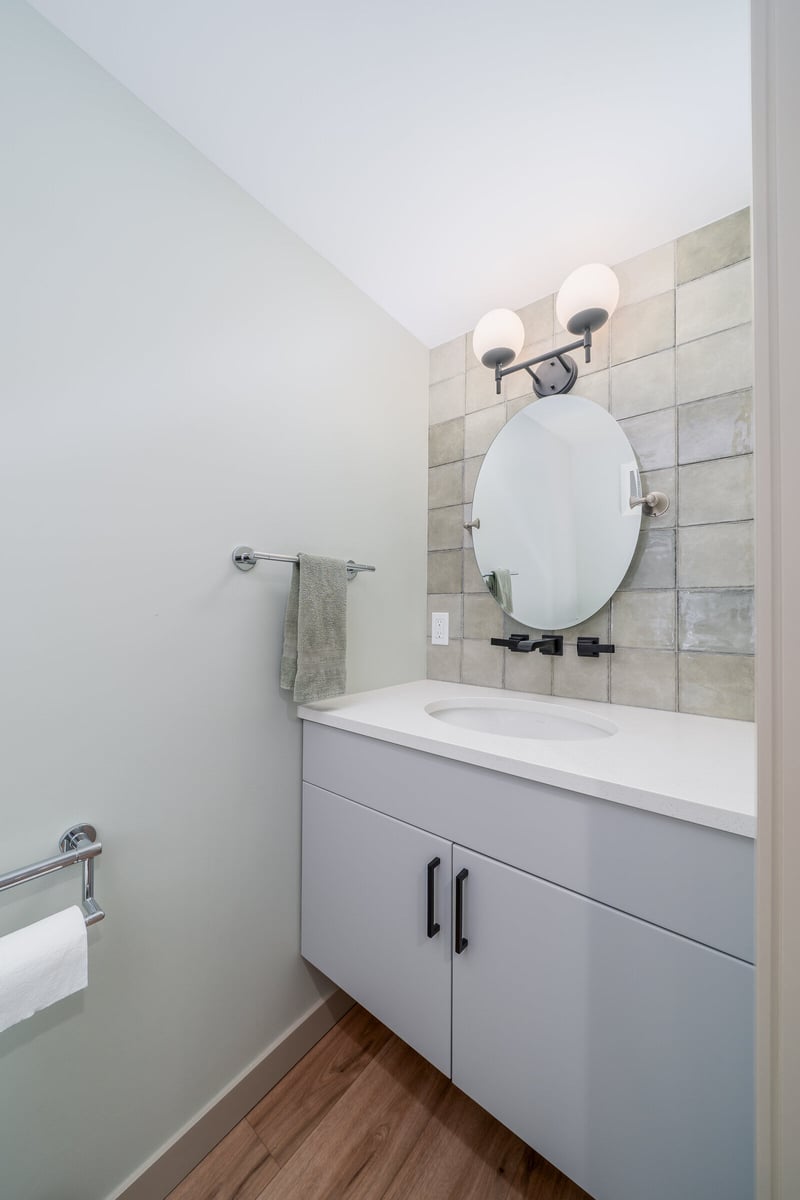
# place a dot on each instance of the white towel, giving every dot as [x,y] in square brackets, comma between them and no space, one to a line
[41,964]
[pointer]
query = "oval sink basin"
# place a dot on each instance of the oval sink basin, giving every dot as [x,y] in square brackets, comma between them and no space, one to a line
[521,719]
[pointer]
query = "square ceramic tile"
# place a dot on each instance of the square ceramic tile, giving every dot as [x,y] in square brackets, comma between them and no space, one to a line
[446,400]
[473,580]
[481,428]
[646,275]
[466,521]
[444,572]
[483,617]
[472,468]
[448,359]
[444,662]
[446,442]
[594,387]
[717,619]
[714,246]
[716,685]
[581,678]
[481,389]
[713,365]
[643,385]
[653,563]
[715,428]
[445,528]
[719,490]
[643,328]
[539,320]
[643,620]
[481,663]
[529,673]
[652,436]
[716,555]
[445,485]
[644,678]
[597,625]
[452,605]
[714,302]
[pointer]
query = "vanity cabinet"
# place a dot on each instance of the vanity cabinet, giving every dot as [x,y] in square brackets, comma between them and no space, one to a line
[374,889]
[617,1050]
[618,1047]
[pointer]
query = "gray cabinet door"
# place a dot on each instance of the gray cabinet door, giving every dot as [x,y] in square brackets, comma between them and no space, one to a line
[621,1052]
[365,916]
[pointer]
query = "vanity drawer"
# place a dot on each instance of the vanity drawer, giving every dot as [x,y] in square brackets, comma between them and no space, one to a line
[688,878]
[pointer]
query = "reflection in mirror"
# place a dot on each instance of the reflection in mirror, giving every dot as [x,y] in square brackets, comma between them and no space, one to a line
[557,531]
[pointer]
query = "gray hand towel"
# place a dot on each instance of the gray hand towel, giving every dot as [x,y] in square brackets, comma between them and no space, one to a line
[499,584]
[315,629]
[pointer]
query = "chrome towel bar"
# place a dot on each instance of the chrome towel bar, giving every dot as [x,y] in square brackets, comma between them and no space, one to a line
[78,845]
[245,557]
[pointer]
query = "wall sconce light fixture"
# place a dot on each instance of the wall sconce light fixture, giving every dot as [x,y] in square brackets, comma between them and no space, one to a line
[586,300]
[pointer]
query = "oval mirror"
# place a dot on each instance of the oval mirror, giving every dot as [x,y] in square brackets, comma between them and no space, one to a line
[557,531]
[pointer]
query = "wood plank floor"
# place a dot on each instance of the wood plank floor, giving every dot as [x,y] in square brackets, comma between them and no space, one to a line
[363,1117]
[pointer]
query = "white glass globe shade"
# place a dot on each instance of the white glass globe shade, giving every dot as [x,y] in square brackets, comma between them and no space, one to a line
[587,298]
[498,337]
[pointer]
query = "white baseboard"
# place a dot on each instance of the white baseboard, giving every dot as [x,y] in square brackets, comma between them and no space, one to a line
[164,1171]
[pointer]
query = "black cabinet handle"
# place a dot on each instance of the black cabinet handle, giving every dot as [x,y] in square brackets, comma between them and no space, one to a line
[433,925]
[461,941]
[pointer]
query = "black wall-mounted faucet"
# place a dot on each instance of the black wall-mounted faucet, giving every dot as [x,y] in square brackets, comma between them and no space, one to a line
[522,644]
[591,648]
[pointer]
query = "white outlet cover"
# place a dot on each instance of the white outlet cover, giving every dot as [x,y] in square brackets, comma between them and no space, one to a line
[440,629]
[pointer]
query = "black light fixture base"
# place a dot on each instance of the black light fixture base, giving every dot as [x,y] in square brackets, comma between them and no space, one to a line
[555,375]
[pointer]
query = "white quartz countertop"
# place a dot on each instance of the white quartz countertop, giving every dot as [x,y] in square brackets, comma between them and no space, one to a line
[699,769]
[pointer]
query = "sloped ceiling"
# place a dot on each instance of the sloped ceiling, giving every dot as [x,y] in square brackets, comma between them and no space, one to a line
[450,156]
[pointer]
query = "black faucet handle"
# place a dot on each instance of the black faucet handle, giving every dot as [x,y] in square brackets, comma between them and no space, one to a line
[589,647]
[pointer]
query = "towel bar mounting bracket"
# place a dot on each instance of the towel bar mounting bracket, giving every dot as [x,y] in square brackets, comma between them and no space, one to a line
[243,558]
[74,837]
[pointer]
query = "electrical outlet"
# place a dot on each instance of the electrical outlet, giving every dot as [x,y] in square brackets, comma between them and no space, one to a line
[440,629]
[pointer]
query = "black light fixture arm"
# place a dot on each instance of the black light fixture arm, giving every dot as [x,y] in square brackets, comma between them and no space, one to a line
[585,342]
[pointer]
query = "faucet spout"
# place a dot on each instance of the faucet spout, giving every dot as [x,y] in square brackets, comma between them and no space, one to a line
[521,644]
[550,645]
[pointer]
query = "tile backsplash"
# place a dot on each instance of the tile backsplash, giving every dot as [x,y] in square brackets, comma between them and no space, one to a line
[674,366]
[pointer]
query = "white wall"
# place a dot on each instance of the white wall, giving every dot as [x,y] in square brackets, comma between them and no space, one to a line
[178,374]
